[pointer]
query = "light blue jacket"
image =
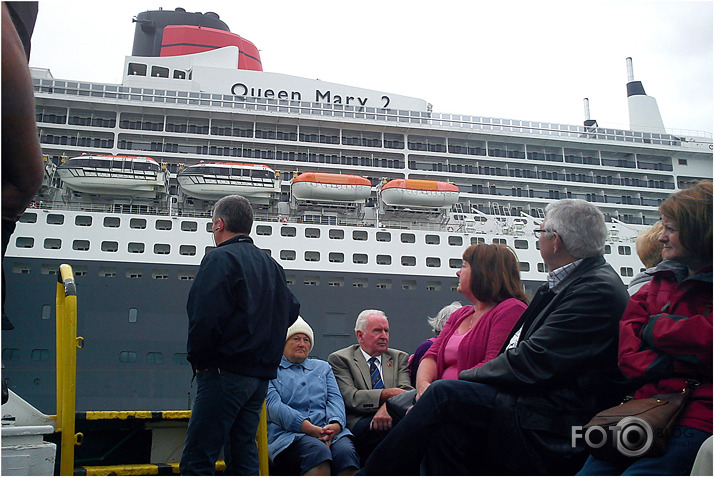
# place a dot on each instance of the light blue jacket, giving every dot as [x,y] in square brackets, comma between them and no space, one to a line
[300,391]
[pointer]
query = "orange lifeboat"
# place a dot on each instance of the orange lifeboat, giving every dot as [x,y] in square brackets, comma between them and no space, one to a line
[331,187]
[420,193]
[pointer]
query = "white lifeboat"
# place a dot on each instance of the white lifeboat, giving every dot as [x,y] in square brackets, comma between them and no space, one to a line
[137,176]
[212,181]
[331,187]
[419,193]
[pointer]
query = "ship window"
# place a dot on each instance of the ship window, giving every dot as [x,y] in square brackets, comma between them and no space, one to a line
[264,230]
[159,274]
[384,284]
[360,235]
[383,236]
[107,272]
[476,240]
[409,285]
[360,258]
[55,219]
[187,250]
[110,246]
[155,357]
[433,262]
[10,355]
[80,245]
[312,232]
[137,223]
[497,240]
[287,255]
[455,263]
[24,242]
[336,257]
[408,261]
[128,357]
[189,226]
[524,267]
[384,260]
[538,245]
[111,221]
[186,275]
[627,271]
[290,279]
[312,256]
[162,249]
[46,312]
[83,220]
[135,247]
[48,269]
[179,75]
[209,249]
[53,243]
[453,287]
[160,72]
[431,239]
[407,238]
[622,250]
[138,69]
[311,280]
[80,271]
[163,225]
[133,273]
[287,231]
[20,268]
[608,249]
[434,285]
[541,267]
[29,217]
[360,282]
[455,241]
[180,359]
[336,234]
[521,244]
[40,355]
[336,282]
[133,313]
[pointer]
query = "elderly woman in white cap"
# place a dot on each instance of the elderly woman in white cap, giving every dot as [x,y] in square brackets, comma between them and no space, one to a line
[306,413]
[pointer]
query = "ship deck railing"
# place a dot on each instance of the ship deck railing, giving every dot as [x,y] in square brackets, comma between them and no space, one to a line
[114,92]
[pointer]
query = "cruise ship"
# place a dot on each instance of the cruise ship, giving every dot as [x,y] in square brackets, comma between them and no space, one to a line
[366,198]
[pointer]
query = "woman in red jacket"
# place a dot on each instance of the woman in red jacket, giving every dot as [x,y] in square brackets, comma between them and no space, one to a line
[666,335]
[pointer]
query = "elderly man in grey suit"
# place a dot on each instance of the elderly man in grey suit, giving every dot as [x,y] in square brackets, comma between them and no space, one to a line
[368,373]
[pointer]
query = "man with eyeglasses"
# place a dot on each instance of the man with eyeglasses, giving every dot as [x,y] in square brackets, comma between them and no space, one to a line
[514,414]
[239,308]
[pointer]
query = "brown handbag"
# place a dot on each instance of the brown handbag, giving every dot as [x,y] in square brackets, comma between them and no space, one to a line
[636,428]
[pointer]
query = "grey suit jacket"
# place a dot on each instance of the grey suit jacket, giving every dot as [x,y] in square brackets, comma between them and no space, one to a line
[353,376]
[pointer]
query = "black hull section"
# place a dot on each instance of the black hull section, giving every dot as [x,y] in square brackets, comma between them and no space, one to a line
[134,329]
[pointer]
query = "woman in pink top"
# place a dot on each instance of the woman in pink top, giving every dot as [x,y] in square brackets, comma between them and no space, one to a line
[475,334]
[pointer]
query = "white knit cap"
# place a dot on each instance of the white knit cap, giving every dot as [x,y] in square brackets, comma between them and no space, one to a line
[300,326]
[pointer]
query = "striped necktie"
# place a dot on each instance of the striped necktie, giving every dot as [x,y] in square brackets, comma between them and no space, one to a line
[375,374]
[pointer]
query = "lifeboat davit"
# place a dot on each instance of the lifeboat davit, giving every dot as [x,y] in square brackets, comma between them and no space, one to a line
[331,187]
[137,176]
[419,193]
[214,180]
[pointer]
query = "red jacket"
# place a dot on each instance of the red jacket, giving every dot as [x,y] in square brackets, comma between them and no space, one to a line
[666,336]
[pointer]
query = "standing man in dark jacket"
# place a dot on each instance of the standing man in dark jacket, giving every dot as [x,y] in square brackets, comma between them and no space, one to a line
[239,310]
[514,415]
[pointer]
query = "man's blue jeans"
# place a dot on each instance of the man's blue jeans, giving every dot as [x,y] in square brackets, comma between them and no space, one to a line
[227,406]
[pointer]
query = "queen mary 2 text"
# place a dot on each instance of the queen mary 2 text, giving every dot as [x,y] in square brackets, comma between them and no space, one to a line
[241,89]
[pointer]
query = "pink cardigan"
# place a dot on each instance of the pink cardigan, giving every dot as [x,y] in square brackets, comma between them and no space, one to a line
[484,341]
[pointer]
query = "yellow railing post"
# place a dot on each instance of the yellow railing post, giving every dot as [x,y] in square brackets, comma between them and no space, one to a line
[262,439]
[67,343]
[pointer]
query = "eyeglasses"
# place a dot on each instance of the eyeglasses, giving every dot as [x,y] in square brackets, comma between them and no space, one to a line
[537,232]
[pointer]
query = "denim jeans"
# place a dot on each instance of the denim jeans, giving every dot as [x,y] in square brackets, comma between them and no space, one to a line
[225,412]
[683,446]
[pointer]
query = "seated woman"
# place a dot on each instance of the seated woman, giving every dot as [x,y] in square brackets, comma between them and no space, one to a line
[475,334]
[306,413]
[437,323]
[666,335]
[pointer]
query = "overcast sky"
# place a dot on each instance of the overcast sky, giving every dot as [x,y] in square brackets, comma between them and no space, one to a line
[530,60]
